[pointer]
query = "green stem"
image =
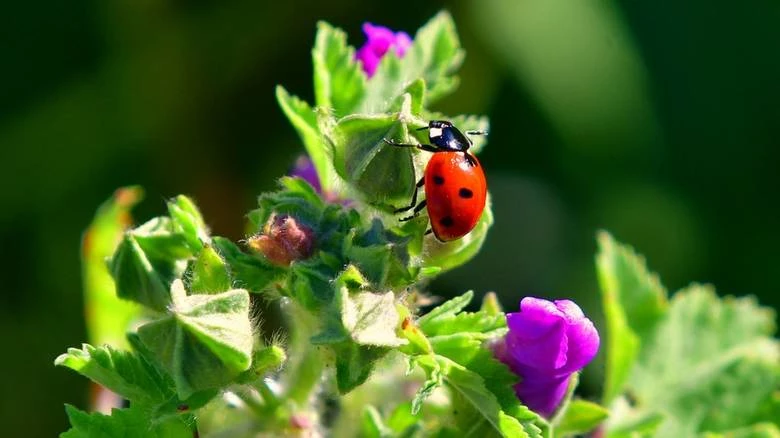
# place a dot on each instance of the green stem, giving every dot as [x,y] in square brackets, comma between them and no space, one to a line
[307,377]
[251,401]
[305,374]
[269,397]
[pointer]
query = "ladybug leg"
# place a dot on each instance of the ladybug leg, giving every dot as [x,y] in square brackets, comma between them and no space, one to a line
[424,147]
[416,211]
[429,231]
[414,197]
[470,159]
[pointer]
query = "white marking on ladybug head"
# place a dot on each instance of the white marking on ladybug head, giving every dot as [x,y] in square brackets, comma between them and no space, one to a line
[434,132]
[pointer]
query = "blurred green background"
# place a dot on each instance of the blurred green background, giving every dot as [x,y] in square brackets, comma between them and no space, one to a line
[655,120]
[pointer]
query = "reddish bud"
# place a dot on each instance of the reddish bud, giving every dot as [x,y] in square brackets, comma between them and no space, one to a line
[283,240]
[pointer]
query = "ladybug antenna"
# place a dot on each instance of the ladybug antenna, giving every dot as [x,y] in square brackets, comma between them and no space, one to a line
[477,132]
[422,129]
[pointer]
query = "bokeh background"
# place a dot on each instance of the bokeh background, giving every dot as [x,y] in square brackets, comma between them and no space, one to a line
[658,121]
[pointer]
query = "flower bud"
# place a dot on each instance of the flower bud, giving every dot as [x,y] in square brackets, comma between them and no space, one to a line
[547,342]
[283,240]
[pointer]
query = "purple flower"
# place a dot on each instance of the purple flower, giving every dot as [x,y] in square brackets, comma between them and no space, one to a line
[304,169]
[380,40]
[547,342]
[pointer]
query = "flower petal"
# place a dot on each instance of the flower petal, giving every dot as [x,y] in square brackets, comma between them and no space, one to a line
[536,334]
[583,339]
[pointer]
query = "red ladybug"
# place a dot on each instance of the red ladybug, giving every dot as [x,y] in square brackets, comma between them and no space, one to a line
[455,185]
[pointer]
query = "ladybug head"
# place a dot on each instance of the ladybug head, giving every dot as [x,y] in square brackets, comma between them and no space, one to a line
[445,136]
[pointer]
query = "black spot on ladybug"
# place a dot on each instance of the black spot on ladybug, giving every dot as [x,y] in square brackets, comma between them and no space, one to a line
[465,193]
[438,180]
[447,221]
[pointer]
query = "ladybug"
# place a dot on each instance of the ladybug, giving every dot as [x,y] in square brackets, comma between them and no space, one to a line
[455,185]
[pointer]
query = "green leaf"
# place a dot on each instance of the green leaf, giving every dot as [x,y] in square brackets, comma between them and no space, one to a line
[304,120]
[374,261]
[402,421]
[364,317]
[491,305]
[188,221]
[264,360]
[479,324]
[209,273]
[713,365]
[471,388]
[381,173]
[580,417]
[436,53]
[433,57]
[433,381]
[354,364]
[249,272]
[372,424]
[370,318]
[296,198]
[126,423]
[123,372]
[623,276]
[309,283]
[160,241]
[760,430]
[339,82]
[634,300]
[107,316]
[205,342]
[450,255]
[447,309]
[136,278]
[468,350]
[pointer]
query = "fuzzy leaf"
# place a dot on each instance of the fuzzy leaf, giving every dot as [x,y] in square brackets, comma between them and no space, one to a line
[209,273]
[715,358]
[187,221]
[309,283]
[148,259]
[450,255]
[634,300]
[383,174]
[433,57]
[467,349]
[205,342]
[580,417]
[446,310]
[469,386]
[433,381]
[296,198]
[126,423]
[370,318]
[125,373]
[479,324]
[304,120]
[354,364]
[136,278]
[249,272]
[339,82]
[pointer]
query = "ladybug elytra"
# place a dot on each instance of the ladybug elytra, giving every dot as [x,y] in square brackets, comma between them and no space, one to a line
[454,182]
